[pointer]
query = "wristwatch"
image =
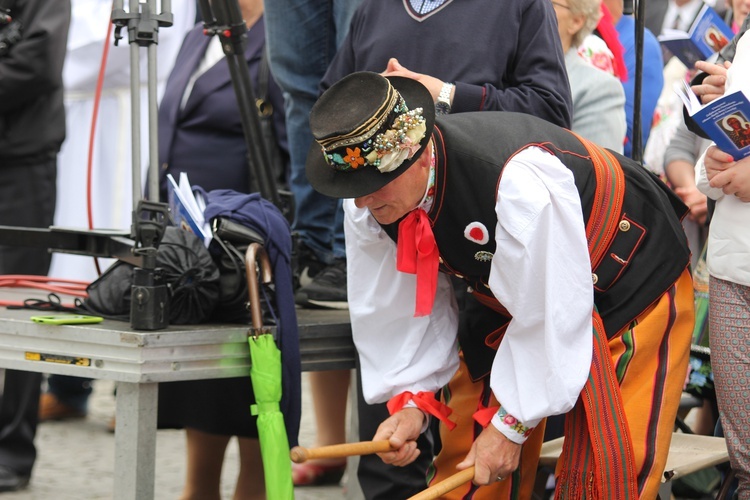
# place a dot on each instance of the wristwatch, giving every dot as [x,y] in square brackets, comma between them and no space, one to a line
[443,104]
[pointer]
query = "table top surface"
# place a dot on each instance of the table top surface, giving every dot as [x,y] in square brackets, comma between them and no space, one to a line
[112,349]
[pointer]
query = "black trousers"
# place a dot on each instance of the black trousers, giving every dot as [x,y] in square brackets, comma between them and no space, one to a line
[27,199]
[71,391]
[380,481]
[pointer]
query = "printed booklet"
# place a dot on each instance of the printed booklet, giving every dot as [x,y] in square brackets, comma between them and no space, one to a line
[707,35]
[725,120]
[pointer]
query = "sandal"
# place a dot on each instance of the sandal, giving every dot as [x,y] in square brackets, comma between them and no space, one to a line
[312,474]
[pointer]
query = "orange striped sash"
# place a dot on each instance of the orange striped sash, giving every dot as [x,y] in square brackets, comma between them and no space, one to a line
[598,453]
[608,198]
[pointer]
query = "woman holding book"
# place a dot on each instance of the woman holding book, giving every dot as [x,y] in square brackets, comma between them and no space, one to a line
[728,182]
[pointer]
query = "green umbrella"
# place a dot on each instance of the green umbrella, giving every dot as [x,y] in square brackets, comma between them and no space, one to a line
[265,374]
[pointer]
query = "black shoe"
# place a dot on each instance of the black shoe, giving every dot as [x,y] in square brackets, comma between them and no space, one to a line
[327,290]
[11,480]
[308,266]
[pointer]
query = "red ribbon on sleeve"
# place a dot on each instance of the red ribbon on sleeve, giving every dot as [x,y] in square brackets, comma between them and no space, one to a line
[426,402]
[418,254]
[483,416]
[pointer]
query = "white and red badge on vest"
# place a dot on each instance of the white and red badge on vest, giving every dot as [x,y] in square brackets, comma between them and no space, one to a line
[477,232]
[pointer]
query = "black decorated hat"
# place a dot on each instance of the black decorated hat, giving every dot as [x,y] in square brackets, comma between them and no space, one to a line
[368,130]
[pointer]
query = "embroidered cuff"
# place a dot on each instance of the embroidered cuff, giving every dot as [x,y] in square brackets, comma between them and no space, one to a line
[511,427]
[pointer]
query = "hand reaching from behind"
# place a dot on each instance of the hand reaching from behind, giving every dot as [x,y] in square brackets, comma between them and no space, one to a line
[732,177]
[695,201]
[712,86]
[493,456]
[394,68]
[402,430]
[681,176]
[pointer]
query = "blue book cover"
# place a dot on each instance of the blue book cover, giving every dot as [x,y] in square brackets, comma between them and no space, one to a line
[725,120]
[707,35]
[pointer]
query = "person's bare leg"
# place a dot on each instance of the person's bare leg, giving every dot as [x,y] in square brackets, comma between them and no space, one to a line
[705,419]
[330,390]
[250,481]
[205,457]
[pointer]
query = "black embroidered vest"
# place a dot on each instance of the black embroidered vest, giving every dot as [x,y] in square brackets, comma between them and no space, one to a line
[646,256]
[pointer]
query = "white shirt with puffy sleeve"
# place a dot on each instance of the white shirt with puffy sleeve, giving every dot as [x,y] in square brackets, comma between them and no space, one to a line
[541,272]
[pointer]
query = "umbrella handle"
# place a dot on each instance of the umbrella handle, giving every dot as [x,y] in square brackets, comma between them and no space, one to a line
[300,454]
[446,485]
[254,252]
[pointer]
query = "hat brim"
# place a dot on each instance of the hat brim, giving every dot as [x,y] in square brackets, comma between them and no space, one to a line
[361,182]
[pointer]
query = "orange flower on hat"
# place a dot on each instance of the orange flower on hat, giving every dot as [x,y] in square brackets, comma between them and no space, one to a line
[354,158]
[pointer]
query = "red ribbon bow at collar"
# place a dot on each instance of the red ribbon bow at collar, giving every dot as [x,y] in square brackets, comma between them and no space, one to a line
[426,402]
[418,254]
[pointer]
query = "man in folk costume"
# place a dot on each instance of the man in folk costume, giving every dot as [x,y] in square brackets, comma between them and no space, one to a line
[576,255]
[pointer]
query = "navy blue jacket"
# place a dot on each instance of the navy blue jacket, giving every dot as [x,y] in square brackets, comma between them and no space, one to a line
[264,218]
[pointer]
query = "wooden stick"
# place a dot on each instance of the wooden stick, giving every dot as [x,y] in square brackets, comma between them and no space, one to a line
[300,454]
[446,485]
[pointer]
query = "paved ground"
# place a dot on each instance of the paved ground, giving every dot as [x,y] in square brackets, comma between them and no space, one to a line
[76,459]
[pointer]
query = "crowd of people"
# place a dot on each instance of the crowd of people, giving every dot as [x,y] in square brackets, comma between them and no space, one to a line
[429,181]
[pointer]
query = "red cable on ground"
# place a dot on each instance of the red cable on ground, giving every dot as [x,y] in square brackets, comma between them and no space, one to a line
[42,279]
[75,288]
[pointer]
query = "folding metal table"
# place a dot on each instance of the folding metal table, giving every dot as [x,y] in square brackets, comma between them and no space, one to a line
[139,360]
